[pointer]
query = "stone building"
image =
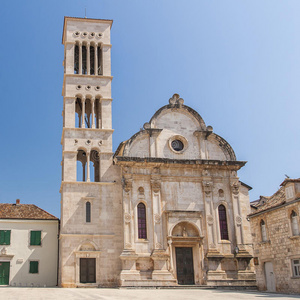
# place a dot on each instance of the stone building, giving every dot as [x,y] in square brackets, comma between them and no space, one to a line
[166,208]
[28,245]
[276,240]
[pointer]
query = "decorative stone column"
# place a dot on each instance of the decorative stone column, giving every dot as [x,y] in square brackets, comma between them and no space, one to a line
[83,112]
[93,111]
[128,256]
[210,219]
[235,185]
[88,166]
[159,255]
[156,208]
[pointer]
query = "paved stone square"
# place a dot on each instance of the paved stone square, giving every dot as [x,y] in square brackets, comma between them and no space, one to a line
[8,293]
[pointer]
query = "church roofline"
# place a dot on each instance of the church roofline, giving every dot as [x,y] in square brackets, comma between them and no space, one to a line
[66,18]
[194,113]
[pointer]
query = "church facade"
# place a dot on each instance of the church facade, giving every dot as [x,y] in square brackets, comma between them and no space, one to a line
[166,208]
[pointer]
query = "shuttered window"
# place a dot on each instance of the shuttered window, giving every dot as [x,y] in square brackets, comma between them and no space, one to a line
[35,238]
[4,237]
[33,267]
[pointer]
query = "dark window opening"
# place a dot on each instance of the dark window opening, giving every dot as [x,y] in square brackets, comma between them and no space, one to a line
[76,60]
[92,60]
[142,226]
[177,145]
[33,267]
[99,52]
[223,222]
[88,212]
[84,60]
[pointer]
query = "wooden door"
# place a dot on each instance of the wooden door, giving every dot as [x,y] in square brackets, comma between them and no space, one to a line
[184,265]
[270,278]
[4,273]
[87,270]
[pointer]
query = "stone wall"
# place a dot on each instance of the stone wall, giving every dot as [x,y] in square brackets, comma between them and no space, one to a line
[280,248]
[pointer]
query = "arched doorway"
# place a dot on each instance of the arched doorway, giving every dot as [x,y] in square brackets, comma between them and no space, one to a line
[185,241]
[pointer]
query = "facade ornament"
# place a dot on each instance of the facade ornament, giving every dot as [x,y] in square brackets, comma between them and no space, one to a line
[207,186]
[238,220]
[184,233]
[205,172]
[147,125]
[156,170]
[127,184]
[127,218]
[4,251]
[156,185]
[128,245]
[158,246]
[210,220]
[235,187]
[157,218]
[212,245]
[176,100]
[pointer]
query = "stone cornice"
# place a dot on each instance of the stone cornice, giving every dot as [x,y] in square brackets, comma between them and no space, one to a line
[121,160]
[83,129]
[85,183]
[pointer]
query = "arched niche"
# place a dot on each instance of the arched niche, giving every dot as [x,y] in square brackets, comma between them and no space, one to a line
[185,229]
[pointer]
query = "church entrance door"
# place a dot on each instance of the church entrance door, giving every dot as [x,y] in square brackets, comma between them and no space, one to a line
[184,265]
[87,270]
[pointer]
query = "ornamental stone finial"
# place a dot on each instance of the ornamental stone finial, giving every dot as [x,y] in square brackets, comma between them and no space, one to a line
[176,100]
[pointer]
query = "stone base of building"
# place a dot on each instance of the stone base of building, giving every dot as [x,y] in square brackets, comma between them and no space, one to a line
[148,283]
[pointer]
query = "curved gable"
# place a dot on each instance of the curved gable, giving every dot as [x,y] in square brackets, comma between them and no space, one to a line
[177,122]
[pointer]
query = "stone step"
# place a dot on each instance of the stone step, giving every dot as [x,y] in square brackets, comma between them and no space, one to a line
[204,287]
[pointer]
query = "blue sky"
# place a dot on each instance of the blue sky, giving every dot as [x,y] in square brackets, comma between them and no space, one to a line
[236,62]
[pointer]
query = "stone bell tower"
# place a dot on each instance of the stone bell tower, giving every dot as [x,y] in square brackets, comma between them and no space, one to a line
[90,193]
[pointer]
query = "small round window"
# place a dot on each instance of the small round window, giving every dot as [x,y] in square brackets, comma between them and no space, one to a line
[177,145]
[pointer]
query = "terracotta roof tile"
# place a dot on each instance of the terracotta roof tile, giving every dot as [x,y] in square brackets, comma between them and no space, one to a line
[265,203]
[24,211]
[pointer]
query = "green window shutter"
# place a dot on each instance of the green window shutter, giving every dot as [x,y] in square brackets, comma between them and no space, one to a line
[35,238]
[4,237]
[7,237]
[1,237]
[34,267]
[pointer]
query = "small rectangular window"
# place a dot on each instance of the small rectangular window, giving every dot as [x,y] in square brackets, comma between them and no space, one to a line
[4,237]
[296,267]
[33,267]
[35,238]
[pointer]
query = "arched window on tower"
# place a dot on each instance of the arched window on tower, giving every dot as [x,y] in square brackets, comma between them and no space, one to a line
[100,65]
[81,165]
[263,230]
[88,113]
[294,223]
[76,59]
[97,115]
[94,166]
[88,212]
[78,112]
[223,222]
[142,225]
[84,59]
[92,60]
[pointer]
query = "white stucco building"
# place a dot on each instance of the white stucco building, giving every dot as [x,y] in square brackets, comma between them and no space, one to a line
[28,246]
[166,208]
